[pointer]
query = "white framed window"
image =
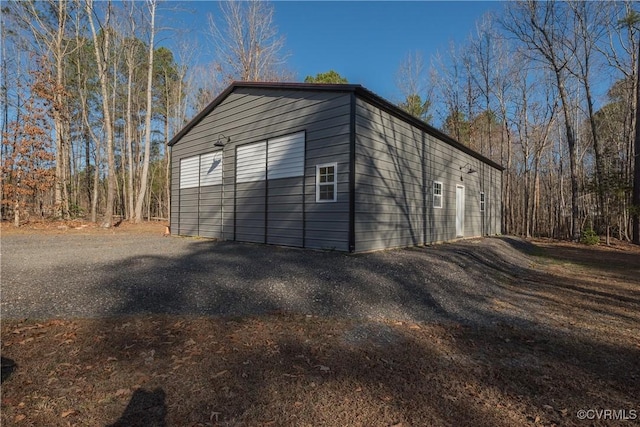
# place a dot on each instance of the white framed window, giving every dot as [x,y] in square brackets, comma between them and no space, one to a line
[437,194]
[482,201]
[326,182]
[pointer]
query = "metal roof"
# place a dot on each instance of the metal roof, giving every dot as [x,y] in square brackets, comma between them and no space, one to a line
[357,89]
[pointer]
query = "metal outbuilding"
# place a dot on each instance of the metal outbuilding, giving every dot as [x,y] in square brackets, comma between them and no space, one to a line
[328,167]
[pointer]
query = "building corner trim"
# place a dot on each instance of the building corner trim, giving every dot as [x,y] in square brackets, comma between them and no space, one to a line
[352,174]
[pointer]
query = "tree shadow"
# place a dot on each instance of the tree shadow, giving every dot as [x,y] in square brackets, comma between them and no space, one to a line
[8,366]
[520,352]
[145,409]
[493,327]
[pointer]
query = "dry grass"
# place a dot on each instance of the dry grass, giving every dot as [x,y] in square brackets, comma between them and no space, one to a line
[285,369]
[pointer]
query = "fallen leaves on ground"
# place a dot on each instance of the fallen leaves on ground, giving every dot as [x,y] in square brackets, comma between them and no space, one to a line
[286,369]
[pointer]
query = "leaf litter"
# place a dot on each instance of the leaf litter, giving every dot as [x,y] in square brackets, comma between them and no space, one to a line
[290,369]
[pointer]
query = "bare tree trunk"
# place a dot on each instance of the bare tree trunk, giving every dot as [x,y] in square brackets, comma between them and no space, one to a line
[51,39]
[96,183]
[636,162]
[61,193]
[537,24]
[147,136]
[167,163]
[129,140]
[101,61]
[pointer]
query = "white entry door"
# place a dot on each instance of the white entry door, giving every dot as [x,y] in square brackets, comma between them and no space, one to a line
[459,211]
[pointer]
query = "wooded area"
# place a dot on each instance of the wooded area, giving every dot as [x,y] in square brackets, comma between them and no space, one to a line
[550,90]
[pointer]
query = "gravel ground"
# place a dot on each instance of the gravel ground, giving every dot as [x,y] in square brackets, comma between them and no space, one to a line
[46,276]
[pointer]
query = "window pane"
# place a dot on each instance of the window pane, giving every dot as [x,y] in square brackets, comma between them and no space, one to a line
[437,201]
[326,192]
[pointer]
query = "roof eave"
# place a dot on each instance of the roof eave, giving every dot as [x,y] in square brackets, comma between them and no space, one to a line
[394,110]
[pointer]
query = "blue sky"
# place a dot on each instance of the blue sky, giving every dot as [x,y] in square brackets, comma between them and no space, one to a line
[364,41]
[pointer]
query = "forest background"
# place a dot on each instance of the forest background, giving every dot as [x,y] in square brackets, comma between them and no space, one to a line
[90,99]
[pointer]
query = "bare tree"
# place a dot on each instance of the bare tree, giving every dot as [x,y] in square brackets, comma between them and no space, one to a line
[506,66]
[101,50]
[47,22]
[411,81]
[588,29]
[448,74]
[82,77]
[542,27]
[483,56]
[147,136]
[248,45]
[636,163]
[534,124]
[131,48]
[624,33]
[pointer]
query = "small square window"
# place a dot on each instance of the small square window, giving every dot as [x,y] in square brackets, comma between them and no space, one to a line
[482,201]
[326,183]
[437,194]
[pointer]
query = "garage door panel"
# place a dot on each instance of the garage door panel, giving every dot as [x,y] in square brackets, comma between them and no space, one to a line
[285,216]
[251,160]
[269,184]
[276,239]
[283,229]
[295,208]
[250,210]
[243,236]
[247,218]
[249,205]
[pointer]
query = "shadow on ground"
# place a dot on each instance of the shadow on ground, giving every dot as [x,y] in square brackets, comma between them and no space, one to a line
[8,366]
[145,409]
[523,334]
[498,340]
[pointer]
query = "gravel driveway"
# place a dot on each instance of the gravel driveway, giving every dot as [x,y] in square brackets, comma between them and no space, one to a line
[94,276]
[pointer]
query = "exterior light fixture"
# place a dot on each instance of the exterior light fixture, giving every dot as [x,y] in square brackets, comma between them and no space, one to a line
[468,168]
[222,141]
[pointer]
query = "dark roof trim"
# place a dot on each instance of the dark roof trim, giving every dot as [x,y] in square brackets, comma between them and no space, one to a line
[360,91]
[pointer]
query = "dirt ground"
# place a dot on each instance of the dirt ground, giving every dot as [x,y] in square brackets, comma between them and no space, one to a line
[579,367]
[82,227]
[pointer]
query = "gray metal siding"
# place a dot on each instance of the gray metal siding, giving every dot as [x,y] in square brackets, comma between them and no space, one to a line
[174,216]
[396,165]
[250,211]
[188,212]
[255,114]
[285,212]
[210,211]
[389,188]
